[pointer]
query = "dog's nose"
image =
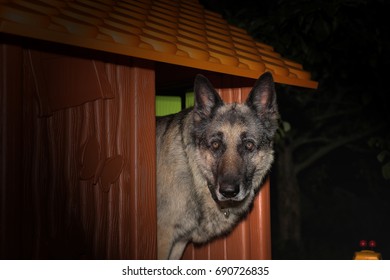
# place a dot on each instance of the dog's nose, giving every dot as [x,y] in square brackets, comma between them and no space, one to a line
[229,191]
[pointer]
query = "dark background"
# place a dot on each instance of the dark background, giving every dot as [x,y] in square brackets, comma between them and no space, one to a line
[331,179]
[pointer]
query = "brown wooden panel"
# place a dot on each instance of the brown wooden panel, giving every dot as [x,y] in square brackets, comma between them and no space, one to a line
[238,242]
[217,249]
[82,80]
[72,213]
[260,228]
[80,181]
[11,107]
[138,203]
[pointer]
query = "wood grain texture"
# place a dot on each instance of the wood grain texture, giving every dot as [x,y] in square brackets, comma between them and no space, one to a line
[261,225]
[11,130]
[50,208]
[140,222]
[78,182]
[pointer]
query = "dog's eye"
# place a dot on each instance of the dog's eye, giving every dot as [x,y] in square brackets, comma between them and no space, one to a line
[249,146]
[215,145]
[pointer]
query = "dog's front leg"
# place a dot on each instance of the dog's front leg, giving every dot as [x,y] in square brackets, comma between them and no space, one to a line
[177,250]
[164,243]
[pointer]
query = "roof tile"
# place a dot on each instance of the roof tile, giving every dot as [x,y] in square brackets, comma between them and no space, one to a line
[179,32]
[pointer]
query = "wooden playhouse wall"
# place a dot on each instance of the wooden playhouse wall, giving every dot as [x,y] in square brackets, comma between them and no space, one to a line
[78,158]
[77,153]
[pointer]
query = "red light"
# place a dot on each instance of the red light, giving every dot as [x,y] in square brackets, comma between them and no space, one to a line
[372,244]
[363,243]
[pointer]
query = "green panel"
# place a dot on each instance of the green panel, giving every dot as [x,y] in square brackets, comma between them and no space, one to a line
[166,105]
[189,99]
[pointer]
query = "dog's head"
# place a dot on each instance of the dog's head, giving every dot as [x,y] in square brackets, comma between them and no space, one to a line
[234,141]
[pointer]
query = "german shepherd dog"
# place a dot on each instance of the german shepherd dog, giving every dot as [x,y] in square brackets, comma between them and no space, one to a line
[211,161]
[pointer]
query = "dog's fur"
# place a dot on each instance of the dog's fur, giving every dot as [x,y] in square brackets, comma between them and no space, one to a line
[211,161]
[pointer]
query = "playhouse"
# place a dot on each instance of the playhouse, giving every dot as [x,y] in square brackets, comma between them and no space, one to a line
[77,145]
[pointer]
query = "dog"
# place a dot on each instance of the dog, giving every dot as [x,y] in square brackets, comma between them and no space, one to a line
[211,161]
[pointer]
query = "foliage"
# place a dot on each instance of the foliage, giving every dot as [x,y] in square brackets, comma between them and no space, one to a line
[382,146]
[344,44]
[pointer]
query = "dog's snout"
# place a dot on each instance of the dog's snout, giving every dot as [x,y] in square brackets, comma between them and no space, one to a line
[229,190]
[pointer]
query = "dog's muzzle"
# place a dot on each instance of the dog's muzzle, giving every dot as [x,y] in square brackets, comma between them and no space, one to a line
[229,191]
[227,195]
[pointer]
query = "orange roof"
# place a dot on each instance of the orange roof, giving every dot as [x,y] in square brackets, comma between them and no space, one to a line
[179,32]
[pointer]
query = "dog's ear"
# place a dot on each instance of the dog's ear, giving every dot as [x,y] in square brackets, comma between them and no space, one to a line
[262,97]
[206,98]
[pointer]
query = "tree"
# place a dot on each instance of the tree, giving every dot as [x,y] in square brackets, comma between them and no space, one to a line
[343,43]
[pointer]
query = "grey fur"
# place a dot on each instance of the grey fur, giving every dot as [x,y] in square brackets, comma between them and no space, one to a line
[211,161]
